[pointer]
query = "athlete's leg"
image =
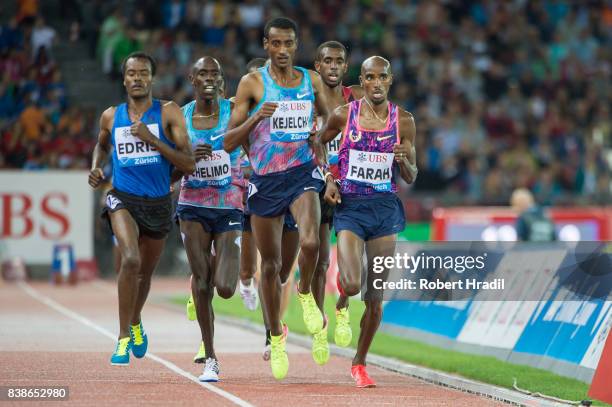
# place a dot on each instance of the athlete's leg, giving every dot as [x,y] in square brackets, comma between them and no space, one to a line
[320,276]
[307,213]
[150,253]
[289,253]
[197,245]
[350,261]
[382,246]
[268,234]
[227,249]
[248,258]
[127,234]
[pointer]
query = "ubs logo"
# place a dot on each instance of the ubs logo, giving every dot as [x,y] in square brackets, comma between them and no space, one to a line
[362,157]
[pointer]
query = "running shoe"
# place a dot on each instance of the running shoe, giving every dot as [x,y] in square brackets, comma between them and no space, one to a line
[279,362]
[200,357]
[362,380]
[311,313]
[343,333]
[211,371]
[139,340]
[320,347]
[190,309]
[249,295]
[121,357]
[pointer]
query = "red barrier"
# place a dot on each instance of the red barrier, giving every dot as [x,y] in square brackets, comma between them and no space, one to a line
[601,386]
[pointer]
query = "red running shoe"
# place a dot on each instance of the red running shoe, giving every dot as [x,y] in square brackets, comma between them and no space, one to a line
[362,380]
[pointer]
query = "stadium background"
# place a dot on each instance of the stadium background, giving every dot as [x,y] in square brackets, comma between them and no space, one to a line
[505,95]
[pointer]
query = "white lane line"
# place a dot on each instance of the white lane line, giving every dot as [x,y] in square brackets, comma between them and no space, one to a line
[87,322]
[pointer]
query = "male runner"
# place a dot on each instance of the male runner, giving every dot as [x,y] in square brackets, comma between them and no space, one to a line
[376,137]
[331,63]
[280,98]
[249,269]
[149,137]
[210,203]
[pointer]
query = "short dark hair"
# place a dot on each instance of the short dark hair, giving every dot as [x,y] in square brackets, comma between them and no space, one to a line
[330,44]
[139,55]
[255,63]
[283,23]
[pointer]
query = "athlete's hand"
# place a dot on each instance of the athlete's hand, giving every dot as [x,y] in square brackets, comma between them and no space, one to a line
[401,152]
[266,110]
[96,176]
[332,193]
[202,151]
[140,130]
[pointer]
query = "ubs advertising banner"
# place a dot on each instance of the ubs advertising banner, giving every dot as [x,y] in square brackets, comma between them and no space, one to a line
[39,209]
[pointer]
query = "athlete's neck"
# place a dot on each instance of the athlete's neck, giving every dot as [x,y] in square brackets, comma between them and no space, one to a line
[207,107]
[333,92]
[381,109]
[283,75]
[137,106]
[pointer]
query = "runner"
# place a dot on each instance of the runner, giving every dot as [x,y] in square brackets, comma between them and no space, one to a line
[284,173]
[376,137]
[331,63]
[210,203]
[148,136]
[249,270]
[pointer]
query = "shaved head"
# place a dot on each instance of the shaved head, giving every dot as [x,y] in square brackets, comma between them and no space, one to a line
[375,61]
[197,65]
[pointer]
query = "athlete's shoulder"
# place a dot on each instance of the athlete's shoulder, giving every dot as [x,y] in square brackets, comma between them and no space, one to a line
[404,114]
[108,116]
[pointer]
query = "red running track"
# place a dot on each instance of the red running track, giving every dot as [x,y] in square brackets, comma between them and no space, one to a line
[63,336]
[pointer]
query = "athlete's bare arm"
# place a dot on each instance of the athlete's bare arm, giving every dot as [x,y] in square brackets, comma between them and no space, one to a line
[240,124]
[102,149]
[405,152]
[335,124]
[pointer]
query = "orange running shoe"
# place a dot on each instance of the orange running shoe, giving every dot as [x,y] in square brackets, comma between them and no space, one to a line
[362,380]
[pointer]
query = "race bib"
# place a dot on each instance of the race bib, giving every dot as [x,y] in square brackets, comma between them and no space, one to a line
[333,148]
[291,121]
[213,171]
[132,151]
[371,168]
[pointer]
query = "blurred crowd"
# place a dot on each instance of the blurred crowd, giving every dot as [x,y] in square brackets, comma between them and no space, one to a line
[38,128]
[505,94]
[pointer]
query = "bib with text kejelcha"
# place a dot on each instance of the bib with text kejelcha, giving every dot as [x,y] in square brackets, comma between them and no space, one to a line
[371,168]
[213,171]
[333,148]
[132,151]
[291,121]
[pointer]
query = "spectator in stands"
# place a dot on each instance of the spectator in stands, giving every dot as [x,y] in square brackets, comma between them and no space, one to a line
[532,225]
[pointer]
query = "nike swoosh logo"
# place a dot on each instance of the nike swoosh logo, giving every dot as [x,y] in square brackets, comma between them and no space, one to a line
[381,138]
[212,138]
[234,223]
[301,95]
[307,188]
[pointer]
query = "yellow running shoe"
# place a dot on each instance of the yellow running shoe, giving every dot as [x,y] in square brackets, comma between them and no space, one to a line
[200,357]
[121,357]
[343,333]
[311,313]
[279,362]
[191,309]
[320,347]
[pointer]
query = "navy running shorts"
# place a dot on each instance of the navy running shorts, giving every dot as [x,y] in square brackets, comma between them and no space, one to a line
[271,195]
[370,217]
[213,220]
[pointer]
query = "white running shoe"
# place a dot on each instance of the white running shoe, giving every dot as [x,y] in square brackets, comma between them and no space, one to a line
[249,295]
[211,371]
